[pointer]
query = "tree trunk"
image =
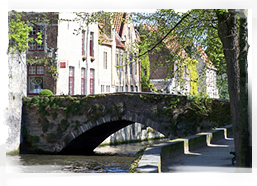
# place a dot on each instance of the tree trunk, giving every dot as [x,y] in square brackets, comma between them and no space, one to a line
[245,146]
[229,35]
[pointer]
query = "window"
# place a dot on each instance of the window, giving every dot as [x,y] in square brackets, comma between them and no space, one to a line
[40,70]
[128,32]
[121,63]
[83,43]
[83,77]
[136,89]
[135,65]
[117,62]
[92,80]
[34,46]
[105,60]
[102,88]
[126,67]
[130,63]
[131,88]
[71,80]
[185,72]
[36,79]
[130,67]
[126,88]
[117,88]
[91,45]
[121,88]
[108,88]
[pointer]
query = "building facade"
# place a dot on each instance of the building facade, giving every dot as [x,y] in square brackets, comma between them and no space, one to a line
[89,61]
[86,62]
[181,84]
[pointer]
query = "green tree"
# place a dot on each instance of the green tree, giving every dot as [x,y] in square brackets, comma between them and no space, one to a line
[223,33]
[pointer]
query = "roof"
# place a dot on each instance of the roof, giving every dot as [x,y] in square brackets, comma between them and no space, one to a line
[118,22]
[119,44]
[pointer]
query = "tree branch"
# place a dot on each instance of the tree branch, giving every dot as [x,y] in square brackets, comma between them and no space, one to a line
[165,35]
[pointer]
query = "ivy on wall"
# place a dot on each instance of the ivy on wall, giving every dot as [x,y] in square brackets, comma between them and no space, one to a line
[18,33]
[192,114]
[145,74]
[191,65]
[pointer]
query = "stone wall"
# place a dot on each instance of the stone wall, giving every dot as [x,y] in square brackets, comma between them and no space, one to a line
[78,124]
[17,88]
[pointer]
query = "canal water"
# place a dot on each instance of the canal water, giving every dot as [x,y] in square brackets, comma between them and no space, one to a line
[107,159]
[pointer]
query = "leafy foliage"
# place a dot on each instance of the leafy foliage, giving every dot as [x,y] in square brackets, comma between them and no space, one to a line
[197,28]
[18,33]
[45,92]
[19,28]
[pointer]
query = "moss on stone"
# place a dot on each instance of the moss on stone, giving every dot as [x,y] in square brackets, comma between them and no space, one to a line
[54,115]
[64,125]
[14,152]
[51,138]
[33,139]
[138,156]
[45,124]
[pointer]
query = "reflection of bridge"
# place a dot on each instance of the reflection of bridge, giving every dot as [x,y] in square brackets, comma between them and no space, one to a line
[78,124]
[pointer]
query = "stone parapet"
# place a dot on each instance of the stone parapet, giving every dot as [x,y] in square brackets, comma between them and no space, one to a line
[152,157]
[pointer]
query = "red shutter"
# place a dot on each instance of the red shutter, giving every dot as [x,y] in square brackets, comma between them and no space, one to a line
[92,74]
[71,80]
[91,47]
[83,81]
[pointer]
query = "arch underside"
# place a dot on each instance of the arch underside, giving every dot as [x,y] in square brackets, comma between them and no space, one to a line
[86,142]
[89,140]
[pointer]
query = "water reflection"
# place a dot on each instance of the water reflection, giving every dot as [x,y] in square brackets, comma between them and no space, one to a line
[106,159]
[56,163]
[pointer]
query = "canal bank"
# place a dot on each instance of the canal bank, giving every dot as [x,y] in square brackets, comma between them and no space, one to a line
[158,158]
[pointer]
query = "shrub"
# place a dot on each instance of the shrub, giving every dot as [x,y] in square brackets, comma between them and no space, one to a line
[46,92]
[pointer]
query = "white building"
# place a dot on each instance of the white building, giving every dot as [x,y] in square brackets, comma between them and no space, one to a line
[93,62]
[87,61]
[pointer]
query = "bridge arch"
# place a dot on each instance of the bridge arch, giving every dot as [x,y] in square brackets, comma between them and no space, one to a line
[85,138]
[78,124]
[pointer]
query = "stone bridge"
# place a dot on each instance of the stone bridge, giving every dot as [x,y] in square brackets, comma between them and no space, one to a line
[78,124]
